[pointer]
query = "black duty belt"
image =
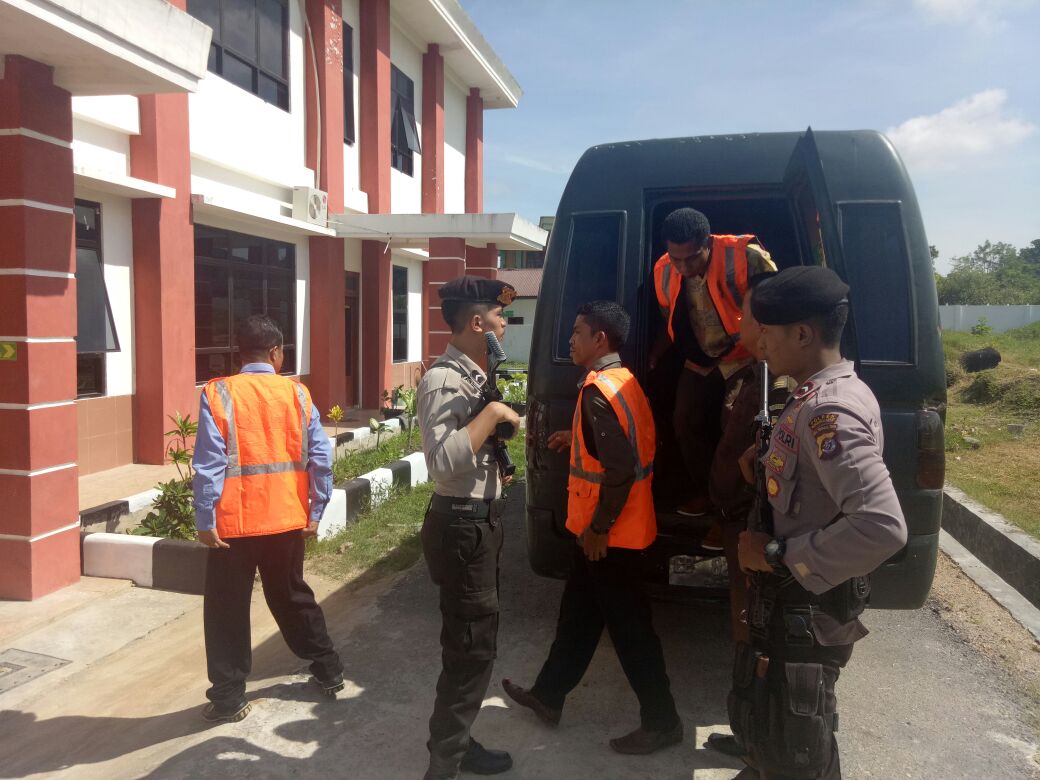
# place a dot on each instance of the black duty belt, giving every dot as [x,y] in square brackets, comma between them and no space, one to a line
[476,508]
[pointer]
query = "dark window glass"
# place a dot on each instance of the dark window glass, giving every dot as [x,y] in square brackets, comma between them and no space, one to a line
[348,85]
[235,276]
[96,330]
[250,44]
[400,314]
[404,135]
[592,269]
[514,320]
[877,260]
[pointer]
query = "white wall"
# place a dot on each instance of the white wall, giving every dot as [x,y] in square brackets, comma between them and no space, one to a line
[351,156]
[517,341]
[454,147]
[406,191]
[117,255]
[239,131]
[1000,318]
[98,148]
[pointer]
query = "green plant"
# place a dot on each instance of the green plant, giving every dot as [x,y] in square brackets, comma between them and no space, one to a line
[174,515]
[981,328]
[408,397]
[336,415]
[513,388]
[378,428]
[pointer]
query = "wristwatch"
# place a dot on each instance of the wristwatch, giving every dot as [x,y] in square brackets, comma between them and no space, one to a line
[774,551]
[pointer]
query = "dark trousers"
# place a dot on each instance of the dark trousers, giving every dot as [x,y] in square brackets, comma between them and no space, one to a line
[698,406]
[229,587]
[608,592]
[462,556]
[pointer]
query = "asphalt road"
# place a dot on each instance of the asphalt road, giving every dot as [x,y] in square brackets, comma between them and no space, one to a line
[915,701]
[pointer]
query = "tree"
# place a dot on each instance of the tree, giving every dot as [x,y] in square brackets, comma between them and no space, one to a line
[992,274]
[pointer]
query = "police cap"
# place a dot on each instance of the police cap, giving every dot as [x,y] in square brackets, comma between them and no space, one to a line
[798,294]
[477,289]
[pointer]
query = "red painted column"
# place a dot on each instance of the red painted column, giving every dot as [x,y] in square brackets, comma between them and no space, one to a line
[447,261]
[474,152]
[39,491]
[374,99]
[482,261]
[376,312]
[433,132]
[328,370]
[164,274]
[374,150]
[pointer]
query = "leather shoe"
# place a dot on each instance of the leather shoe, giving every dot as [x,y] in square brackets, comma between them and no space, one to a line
[641,742]
[727,744]
[525,698]
[481,761]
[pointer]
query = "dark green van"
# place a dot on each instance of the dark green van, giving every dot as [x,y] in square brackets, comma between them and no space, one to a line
[839,198]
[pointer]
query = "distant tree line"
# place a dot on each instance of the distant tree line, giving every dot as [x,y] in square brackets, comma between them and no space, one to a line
[992,274]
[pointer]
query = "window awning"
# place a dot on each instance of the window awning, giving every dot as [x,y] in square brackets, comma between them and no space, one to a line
[506,231]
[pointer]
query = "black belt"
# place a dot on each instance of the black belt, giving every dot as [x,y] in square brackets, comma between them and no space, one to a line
[476,508]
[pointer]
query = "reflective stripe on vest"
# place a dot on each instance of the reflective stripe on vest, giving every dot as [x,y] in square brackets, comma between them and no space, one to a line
[234,466]
[642,470]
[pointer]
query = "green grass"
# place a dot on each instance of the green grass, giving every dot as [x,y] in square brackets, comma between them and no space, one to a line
[391,447]
[385,538]
[1004,473]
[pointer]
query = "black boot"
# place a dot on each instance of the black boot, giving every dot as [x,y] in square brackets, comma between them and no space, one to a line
[481,761]
[727,744]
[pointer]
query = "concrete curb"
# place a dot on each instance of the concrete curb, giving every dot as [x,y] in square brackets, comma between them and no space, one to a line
[1011,553]
[179,565]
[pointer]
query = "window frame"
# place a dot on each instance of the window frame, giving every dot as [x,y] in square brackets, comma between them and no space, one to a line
[219,49]
[267,270]
[402,121]
[95,360]
[349,131]
[910,281]
[394,313]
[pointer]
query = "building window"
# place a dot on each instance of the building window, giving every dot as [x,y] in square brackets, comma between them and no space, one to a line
[514,320]
[250,44]
[96,330]
[236,276]
[404,137]
[348,85]
[400,315]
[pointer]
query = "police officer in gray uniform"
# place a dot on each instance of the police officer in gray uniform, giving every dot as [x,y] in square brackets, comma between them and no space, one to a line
[462,531]
[836,518]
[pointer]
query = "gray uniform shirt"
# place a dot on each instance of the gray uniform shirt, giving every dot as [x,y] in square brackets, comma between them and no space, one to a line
[448,397]
[832,496]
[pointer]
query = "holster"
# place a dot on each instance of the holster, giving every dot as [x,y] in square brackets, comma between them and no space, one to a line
[847,601]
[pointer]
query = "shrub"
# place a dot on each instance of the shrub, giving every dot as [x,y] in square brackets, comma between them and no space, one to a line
[174,515]
[981,328]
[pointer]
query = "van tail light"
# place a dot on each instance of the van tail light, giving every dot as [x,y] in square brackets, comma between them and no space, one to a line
[931,451]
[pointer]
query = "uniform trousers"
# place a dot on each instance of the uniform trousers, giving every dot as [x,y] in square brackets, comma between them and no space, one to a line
[462,555]
[609,593]
[229,587]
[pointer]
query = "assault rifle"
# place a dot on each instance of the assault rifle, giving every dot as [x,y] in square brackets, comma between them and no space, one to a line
[490,392]
[761,516]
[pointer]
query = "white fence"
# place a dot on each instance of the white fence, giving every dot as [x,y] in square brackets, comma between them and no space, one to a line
[1000,318]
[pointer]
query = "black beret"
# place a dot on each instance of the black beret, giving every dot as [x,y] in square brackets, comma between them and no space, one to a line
[797,294]
[477,289]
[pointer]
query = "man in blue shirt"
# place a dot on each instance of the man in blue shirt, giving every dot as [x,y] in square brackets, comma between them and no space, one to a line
[263,476]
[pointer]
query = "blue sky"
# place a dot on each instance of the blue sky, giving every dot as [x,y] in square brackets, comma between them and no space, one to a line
[954,83]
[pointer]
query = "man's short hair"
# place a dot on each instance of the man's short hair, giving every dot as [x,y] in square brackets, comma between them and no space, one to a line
[831,325]
[458,313]
[609,317]
[684,225]
[258,333]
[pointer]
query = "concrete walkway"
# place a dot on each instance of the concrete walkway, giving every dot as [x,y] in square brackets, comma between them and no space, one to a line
[916,701]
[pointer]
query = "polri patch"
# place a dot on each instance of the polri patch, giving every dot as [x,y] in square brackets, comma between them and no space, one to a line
[827,445]
[786,438]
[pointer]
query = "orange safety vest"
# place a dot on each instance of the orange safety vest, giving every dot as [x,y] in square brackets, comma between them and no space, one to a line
[636,526]
[263,419]
[726,279]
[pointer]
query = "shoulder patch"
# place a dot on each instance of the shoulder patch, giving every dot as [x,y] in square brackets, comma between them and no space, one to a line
[823,422]
[786,437]
[827,444]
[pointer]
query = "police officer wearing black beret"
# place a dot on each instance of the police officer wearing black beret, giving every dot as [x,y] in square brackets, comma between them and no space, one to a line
[834,519]
[462,531]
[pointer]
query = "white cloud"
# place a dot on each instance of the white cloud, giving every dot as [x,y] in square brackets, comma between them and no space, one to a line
[986,14]
[970,127]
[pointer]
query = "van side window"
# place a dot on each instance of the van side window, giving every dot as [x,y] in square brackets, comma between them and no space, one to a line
[878,268]
[591,272]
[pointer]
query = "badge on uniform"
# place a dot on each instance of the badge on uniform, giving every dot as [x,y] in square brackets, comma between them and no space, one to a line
[787,438]
[827,445]
[772,487]
[775,461]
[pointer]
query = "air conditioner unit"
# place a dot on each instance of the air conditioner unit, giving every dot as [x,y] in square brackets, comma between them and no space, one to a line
[310,205]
